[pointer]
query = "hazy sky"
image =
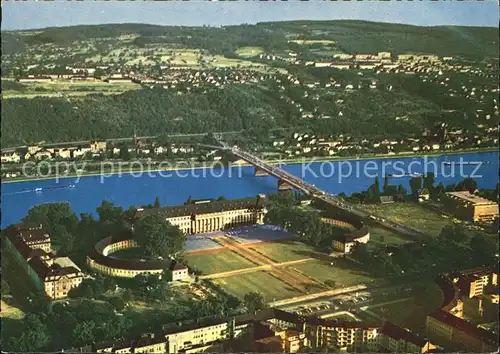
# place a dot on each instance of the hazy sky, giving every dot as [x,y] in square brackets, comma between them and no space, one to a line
[39,14]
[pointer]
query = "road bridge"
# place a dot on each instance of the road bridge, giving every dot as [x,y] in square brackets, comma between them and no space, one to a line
[312,190]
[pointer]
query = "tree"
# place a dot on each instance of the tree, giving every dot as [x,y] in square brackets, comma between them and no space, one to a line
[429,182]
[157,202]
[117,302]
[415,185]
[439,191]
[221,198]
[34,337]
[254,301]
[484,246]
[83,333]
[64,238]
[5,288]
[386,183]
[158,238]
[467,184]
[455,233]
[124,154]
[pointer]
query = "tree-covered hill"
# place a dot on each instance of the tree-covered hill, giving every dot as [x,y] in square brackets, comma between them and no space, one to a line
[351,37]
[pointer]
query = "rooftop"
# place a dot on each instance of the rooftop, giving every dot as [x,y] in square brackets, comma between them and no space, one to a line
[468,197]
[215,206]
[466,327]
[396,332]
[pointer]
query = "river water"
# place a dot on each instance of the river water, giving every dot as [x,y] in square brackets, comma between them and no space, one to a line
[176,186]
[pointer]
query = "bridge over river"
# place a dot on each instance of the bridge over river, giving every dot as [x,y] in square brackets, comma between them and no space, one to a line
[313,191]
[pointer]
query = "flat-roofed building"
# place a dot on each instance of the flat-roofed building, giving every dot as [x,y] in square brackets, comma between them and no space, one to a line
[471,207]
[473,281]
[212,215]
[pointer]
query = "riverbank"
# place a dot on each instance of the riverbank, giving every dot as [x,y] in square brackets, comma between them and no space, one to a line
[302,160]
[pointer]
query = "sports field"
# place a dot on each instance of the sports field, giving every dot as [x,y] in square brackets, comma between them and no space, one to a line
[223,261]
[344,273]
[285,251]
[270,287]
[412,215]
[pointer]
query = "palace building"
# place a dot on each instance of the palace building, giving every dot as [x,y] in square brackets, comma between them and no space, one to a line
[212,215]
[471,207]
[29,246]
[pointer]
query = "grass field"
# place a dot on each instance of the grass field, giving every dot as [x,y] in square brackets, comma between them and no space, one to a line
[343,272]
[11,312]
[412,215]
[60,88]
[285,251]
[249,51]
[381,237]
[270,287]
[223,261]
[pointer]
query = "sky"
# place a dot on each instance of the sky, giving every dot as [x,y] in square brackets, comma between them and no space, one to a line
[39,14]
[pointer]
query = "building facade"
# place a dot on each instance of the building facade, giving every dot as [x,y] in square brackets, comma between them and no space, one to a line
[460,333]
[345,243]
[212,215]
[471,207]
[394,339]
[30,247]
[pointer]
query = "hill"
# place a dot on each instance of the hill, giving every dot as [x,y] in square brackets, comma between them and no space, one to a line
[351,37]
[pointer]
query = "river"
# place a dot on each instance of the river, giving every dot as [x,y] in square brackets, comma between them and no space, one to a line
[237,182]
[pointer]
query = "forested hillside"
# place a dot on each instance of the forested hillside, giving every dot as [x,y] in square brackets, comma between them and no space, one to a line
[351,36]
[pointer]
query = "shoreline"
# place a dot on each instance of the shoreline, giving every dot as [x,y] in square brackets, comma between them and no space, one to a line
[272,161]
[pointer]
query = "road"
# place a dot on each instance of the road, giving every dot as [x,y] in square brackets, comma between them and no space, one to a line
[318,193]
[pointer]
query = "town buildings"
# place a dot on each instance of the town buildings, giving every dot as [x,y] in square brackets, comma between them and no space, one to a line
[30,248]
[395,339]
[212,215]
[270,330]
[471,207]
[458,332]
[344,243]
[446,326]
[473,281]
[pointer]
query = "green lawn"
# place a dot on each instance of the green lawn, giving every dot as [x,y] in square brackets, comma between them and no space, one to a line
[129,253]
[381,237]
[411,215]
[286,251]
[343,272]
[270,287]
[222,261]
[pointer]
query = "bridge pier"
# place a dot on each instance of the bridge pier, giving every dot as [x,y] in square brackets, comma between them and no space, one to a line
[260,172]
[283,185]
